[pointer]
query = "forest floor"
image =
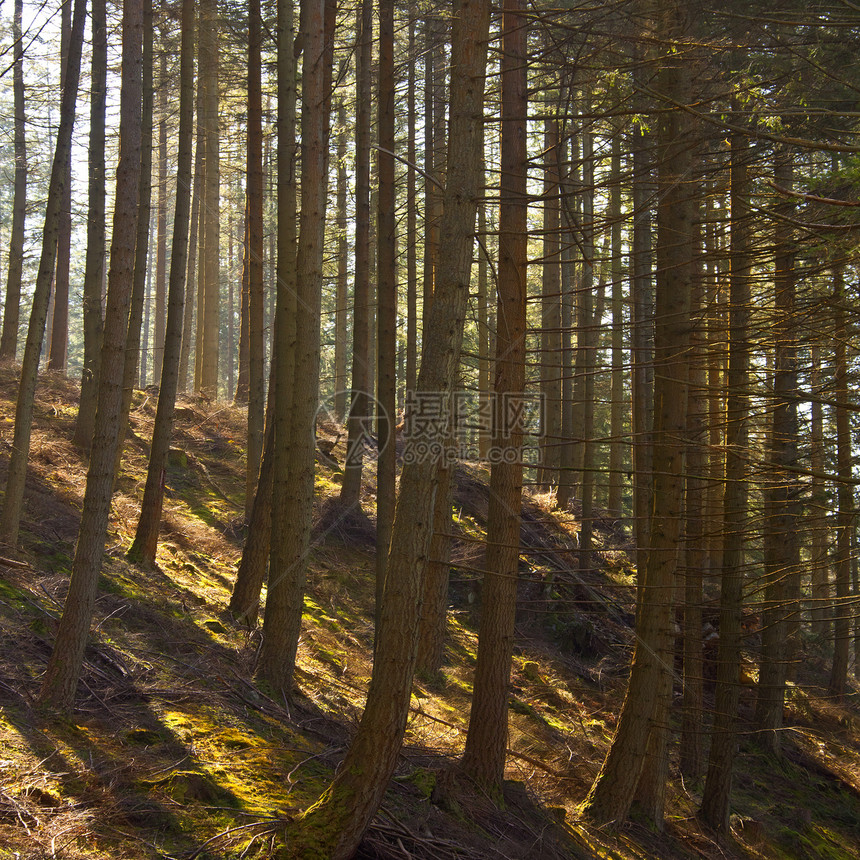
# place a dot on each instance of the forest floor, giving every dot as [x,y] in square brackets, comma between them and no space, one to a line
[174,752]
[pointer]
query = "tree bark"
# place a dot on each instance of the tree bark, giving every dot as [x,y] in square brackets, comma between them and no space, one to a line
[61,676]
[845,498]
[254,259]
[359,411]
[283,614]
[341,299]
[386,279]
[12,305]
[718,783]
[551,370]
[782,551]
[209,309]
[486,741]
[145,542]
[635,768]
[59,338]
[13,498]
[93,320]
[136,345]
[333,826]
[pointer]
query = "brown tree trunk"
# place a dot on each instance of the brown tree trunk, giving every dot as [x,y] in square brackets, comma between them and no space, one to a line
[13,498]
[254,260]
[341,395]
[209,309]
[283,615]
[136,346]
[12,304]
[486,741]
[188,322]
[59,338]
[820,576]
[386,279]
[694,557]
[61,677]
[334,825]
[718,783]
[160,220]
[145,542]
[845,498]
[360,411]
[617,440]
[782,551]
[93,320]
[551,355]
[636,766]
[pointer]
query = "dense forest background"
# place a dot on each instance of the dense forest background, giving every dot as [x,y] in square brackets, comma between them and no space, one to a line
[596,258]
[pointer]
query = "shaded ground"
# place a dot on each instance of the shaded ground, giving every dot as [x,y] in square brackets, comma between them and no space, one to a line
[173,752]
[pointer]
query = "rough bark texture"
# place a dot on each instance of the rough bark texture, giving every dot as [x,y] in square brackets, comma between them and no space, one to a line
[845,499]
[386,279]
[486,741]
[145,542]
[188,321]
[61,676]
[617,440]
[341,394]
[718,783]
[782,550]
[551,370]
[13,498]
[283,615]
[12,305]
[254,258]
[136,346]
[95,263]
[209,310]
[635,768]
[694,558]
[333,827]
[359,410]
[58,340]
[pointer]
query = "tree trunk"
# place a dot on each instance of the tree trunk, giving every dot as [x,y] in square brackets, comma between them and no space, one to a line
[61,677]
[145,542]
[635,768]
[188,327]
[135,354]
[617,440]
[254,258]
[341,299]
[283,615]
[12,305]
[694,558]
[334,825]
[359,411]
[845,498]
[821,598]
[13,498]
[386,279]
[93,320]
[160,220]
[411,216]
[59,340]
[718,783]
[486,741]
[209,309]
[551,370]
[782,551]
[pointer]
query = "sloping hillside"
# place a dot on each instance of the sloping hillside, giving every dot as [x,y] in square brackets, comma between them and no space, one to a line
[174,752]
